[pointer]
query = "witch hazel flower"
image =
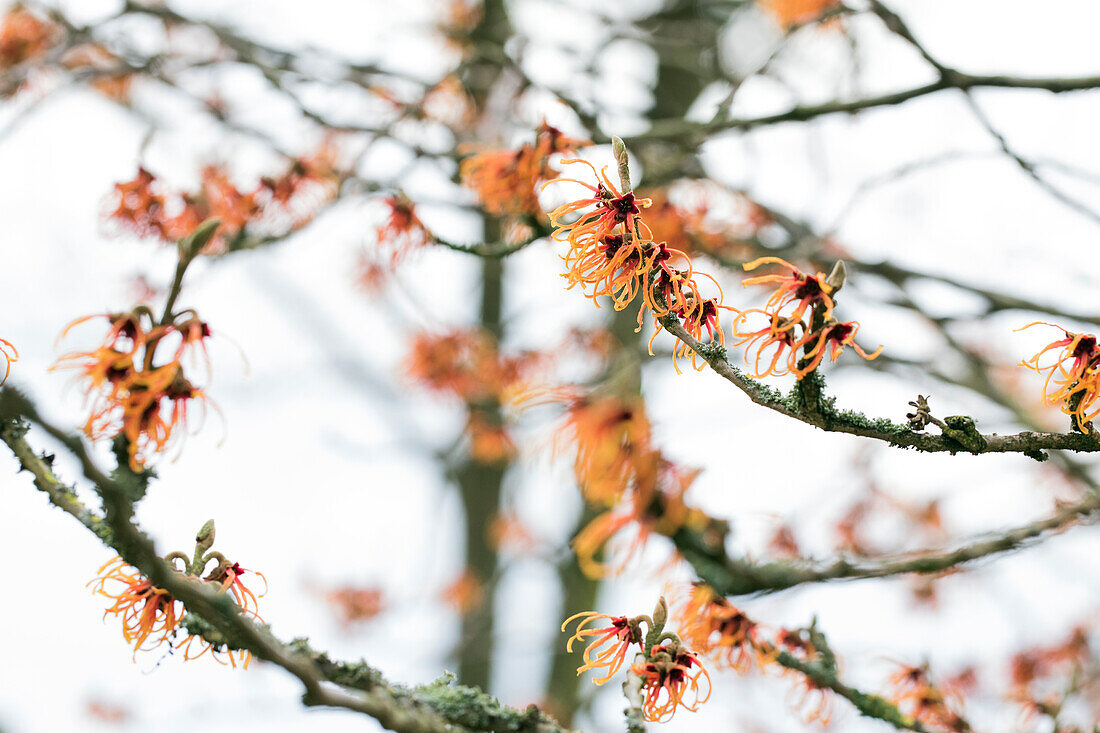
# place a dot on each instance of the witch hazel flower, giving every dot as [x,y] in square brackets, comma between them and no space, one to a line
[671,675]
[1073,377]
[798,328]
[136,384]
[617,636]
[611,253]
[151,616]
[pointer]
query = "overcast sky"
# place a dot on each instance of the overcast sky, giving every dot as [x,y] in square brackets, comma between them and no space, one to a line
[324,476]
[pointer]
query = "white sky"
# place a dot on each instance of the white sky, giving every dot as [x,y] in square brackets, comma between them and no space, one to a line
[322,477]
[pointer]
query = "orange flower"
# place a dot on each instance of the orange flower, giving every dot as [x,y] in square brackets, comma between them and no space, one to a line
[228,576]
[149,614]
[24,36]
[105,712]
[10,355]
[400,234]
[908,678]
[712,624]
[466,364]
[671,290]
[791,13]
[835,336]
[608,211]
[151,412]
[930,706]
[402,221]
[613,268]
[779,335]
[193,210]
[130,393]
[226,202]
[140,205]
[656,505]
[275,205]
[783,543]
[798,296]
[695,322]
[371,273]
[356,604]
[307,181]
[465,594]
[619,633]
[402,230]
[612,253]
[1073,380]
[606,433]
[917,697]
[489,443]
[804,291]
[814,702]
[507,181]
[1032,665]
[672,677]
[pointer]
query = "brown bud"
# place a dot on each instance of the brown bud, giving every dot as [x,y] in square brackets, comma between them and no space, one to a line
[660,613]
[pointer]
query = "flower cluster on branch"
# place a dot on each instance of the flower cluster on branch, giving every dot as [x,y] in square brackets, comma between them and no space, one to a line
[1073,378]
[151,615]
[619,471]
[671,674]
[800,327]
[612,254]
[135,381]
[507,181]
[275,206]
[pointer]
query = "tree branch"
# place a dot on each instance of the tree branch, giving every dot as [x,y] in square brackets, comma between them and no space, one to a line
[829,418]
[869,706]
[437,708]
[737,576]
[688,131]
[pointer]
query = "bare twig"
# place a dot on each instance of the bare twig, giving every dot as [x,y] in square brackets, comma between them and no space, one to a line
[737,576]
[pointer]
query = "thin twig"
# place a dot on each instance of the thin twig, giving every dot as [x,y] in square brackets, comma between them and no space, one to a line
[738,576]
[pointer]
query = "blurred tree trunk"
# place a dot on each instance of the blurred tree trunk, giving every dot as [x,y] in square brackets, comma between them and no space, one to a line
[685,38]
[578,594]
[684,35]
[480,484]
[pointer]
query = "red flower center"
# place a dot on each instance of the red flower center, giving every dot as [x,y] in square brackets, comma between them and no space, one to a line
[623,206]
[809,289]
